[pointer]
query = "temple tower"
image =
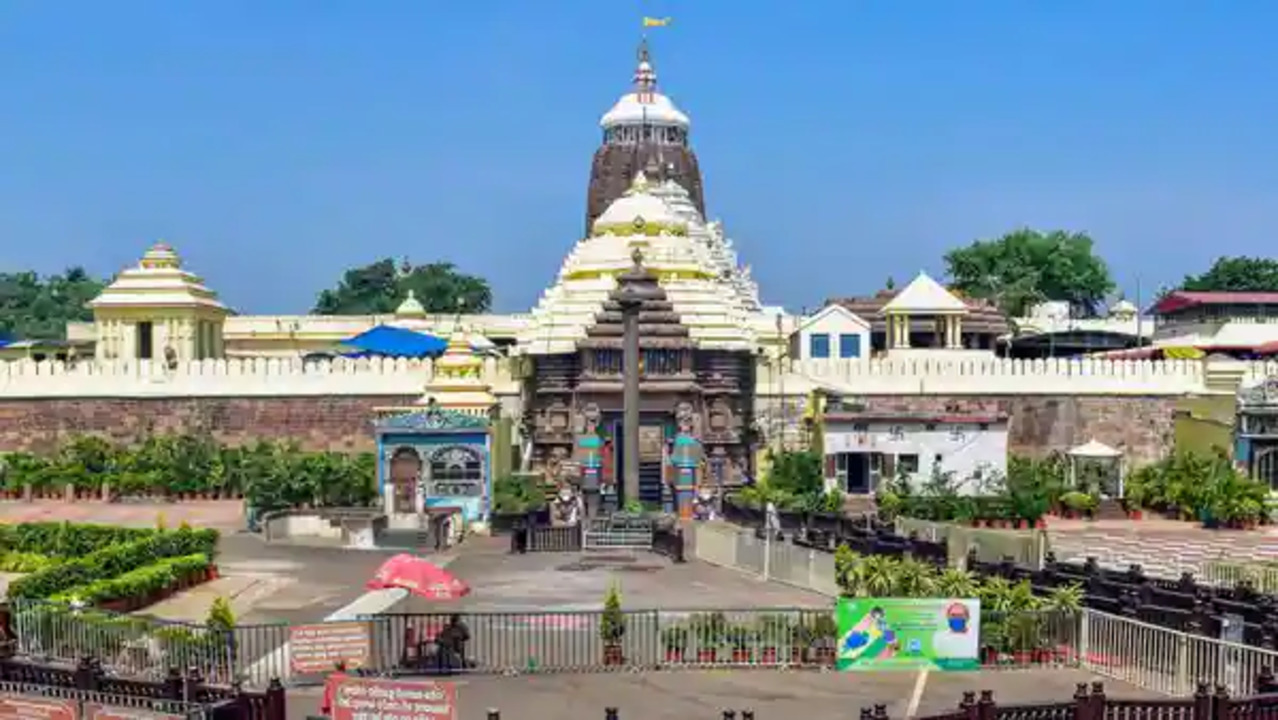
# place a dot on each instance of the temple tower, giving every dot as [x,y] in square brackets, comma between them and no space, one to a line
[642,132]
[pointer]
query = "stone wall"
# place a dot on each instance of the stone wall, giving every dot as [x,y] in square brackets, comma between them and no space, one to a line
[316,423]
[1141,426]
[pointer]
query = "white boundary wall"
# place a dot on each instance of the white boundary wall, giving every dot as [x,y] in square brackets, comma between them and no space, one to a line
[376,376]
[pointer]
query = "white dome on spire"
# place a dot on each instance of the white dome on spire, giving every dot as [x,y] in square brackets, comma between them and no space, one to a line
[645,105]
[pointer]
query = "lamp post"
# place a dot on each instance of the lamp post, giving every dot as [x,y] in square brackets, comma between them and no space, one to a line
[634,287]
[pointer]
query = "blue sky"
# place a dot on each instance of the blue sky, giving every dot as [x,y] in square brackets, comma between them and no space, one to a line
[277,142]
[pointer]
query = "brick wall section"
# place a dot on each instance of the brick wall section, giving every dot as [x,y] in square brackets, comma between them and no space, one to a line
[316,423]
[1140,426]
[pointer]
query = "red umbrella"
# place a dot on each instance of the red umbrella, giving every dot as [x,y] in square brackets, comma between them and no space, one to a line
[418,576]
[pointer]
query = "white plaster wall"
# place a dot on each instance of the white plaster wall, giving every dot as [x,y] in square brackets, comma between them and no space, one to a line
[963,447]
[375,376]
[833,323]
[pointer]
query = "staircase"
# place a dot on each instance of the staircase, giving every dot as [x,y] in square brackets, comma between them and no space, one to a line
[1110,509]
[650,484]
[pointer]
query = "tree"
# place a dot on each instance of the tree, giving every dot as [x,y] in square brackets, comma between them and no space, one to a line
[36,308]
[1026,267]
[1236,274]
[381,287]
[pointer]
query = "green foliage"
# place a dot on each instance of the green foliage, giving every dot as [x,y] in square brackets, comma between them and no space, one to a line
[612,621]
[795,481]
[113,561]
[146,581]
[220,616]
[65,539]
[515,494]
[1198,486]
[1236,274]
[36,308]
[272,475]
[380,287]
[1025,493]
[1026,267]
[1079,501]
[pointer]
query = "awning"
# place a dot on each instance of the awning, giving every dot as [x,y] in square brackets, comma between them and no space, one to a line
[388,341]
[1094,449]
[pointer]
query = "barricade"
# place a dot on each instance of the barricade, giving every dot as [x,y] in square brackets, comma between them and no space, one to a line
[555,538]
[618,532]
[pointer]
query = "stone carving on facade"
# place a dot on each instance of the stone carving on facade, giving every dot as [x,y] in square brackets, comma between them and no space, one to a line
[591,417]
[555,465]
[686,419]
[1263,393]
[567,507]
[722,420]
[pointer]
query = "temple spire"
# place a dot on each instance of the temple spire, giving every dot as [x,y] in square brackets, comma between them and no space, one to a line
[645,77]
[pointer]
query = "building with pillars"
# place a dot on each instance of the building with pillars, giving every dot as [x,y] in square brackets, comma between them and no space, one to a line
[158,311]
[925,317]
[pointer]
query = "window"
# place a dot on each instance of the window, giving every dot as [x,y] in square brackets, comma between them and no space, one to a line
[456,472]
[819,345]
[908,464]
[849,345]
[146,340]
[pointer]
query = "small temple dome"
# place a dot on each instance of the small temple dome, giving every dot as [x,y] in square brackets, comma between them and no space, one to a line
[411,307]
[640,212]
[158,280]
[1123,309]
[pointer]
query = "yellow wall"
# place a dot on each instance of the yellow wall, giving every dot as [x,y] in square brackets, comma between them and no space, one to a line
[1204,423]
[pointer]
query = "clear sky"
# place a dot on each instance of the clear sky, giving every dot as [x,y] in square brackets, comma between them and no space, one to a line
[277,142]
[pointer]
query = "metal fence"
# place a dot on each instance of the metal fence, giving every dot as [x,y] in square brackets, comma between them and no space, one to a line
[134,646]
[552,538]
[26,700]
[730,546]
[620,532]
[1220,573]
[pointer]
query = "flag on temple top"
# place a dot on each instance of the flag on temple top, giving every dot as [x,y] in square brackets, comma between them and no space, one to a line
[656,22]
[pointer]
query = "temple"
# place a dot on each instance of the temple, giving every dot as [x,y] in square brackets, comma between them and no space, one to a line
[643,130]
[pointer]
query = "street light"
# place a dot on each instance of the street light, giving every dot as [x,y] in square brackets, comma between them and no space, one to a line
[635,287]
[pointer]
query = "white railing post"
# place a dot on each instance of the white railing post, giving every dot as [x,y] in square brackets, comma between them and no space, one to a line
[767,554]
[1084,638]
[1181,682]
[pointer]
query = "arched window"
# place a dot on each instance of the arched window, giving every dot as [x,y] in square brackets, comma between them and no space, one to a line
[456,471]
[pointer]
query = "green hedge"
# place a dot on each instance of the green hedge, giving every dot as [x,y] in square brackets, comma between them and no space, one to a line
[64,539]
[144,581]
[270,475]
[113,561]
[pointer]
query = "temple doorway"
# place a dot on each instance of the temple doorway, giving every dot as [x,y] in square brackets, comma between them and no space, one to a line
[405,474]
[654,432]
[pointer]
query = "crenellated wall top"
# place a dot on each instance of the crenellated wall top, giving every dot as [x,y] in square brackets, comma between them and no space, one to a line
[400,377]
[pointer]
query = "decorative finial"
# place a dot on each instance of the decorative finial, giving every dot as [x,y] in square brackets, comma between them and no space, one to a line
[640,183]
[637,256]
[645,78]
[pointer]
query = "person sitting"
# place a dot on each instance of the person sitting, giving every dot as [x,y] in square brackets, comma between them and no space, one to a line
[450,644]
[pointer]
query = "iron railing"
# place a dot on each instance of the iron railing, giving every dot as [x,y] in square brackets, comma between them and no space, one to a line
[32,700]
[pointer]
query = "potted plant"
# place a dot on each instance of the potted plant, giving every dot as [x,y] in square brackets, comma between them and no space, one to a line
[612,627]
[675,639]
[775,631]
[740,639]
[707,632]
[1076,504]
[824,633]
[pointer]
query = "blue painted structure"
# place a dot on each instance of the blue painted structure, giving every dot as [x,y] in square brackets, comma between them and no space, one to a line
[435,458]
[390,341]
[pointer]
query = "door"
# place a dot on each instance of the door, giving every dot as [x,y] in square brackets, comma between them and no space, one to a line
[853,472]
[1264,465]
[654,431]
[405,473]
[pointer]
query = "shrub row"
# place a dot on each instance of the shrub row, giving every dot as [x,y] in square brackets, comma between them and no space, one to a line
[148,581]
[270,475]
[64,539]
[113,561]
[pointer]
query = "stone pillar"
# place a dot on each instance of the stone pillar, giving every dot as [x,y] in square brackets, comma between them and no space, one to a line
[958,330]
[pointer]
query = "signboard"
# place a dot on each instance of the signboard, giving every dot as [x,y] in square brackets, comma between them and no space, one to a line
[319,648]
[14,706]
[908,633]
[367,699]
[97,711]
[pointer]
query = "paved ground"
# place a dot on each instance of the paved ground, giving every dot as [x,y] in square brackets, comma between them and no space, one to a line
[773,695]
[221,514]
[1162,547]
[555,581]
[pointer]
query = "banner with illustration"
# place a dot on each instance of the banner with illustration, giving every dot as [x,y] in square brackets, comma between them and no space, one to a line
[904,633]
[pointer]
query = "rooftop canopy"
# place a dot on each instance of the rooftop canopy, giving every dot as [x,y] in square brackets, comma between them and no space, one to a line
[389,341]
